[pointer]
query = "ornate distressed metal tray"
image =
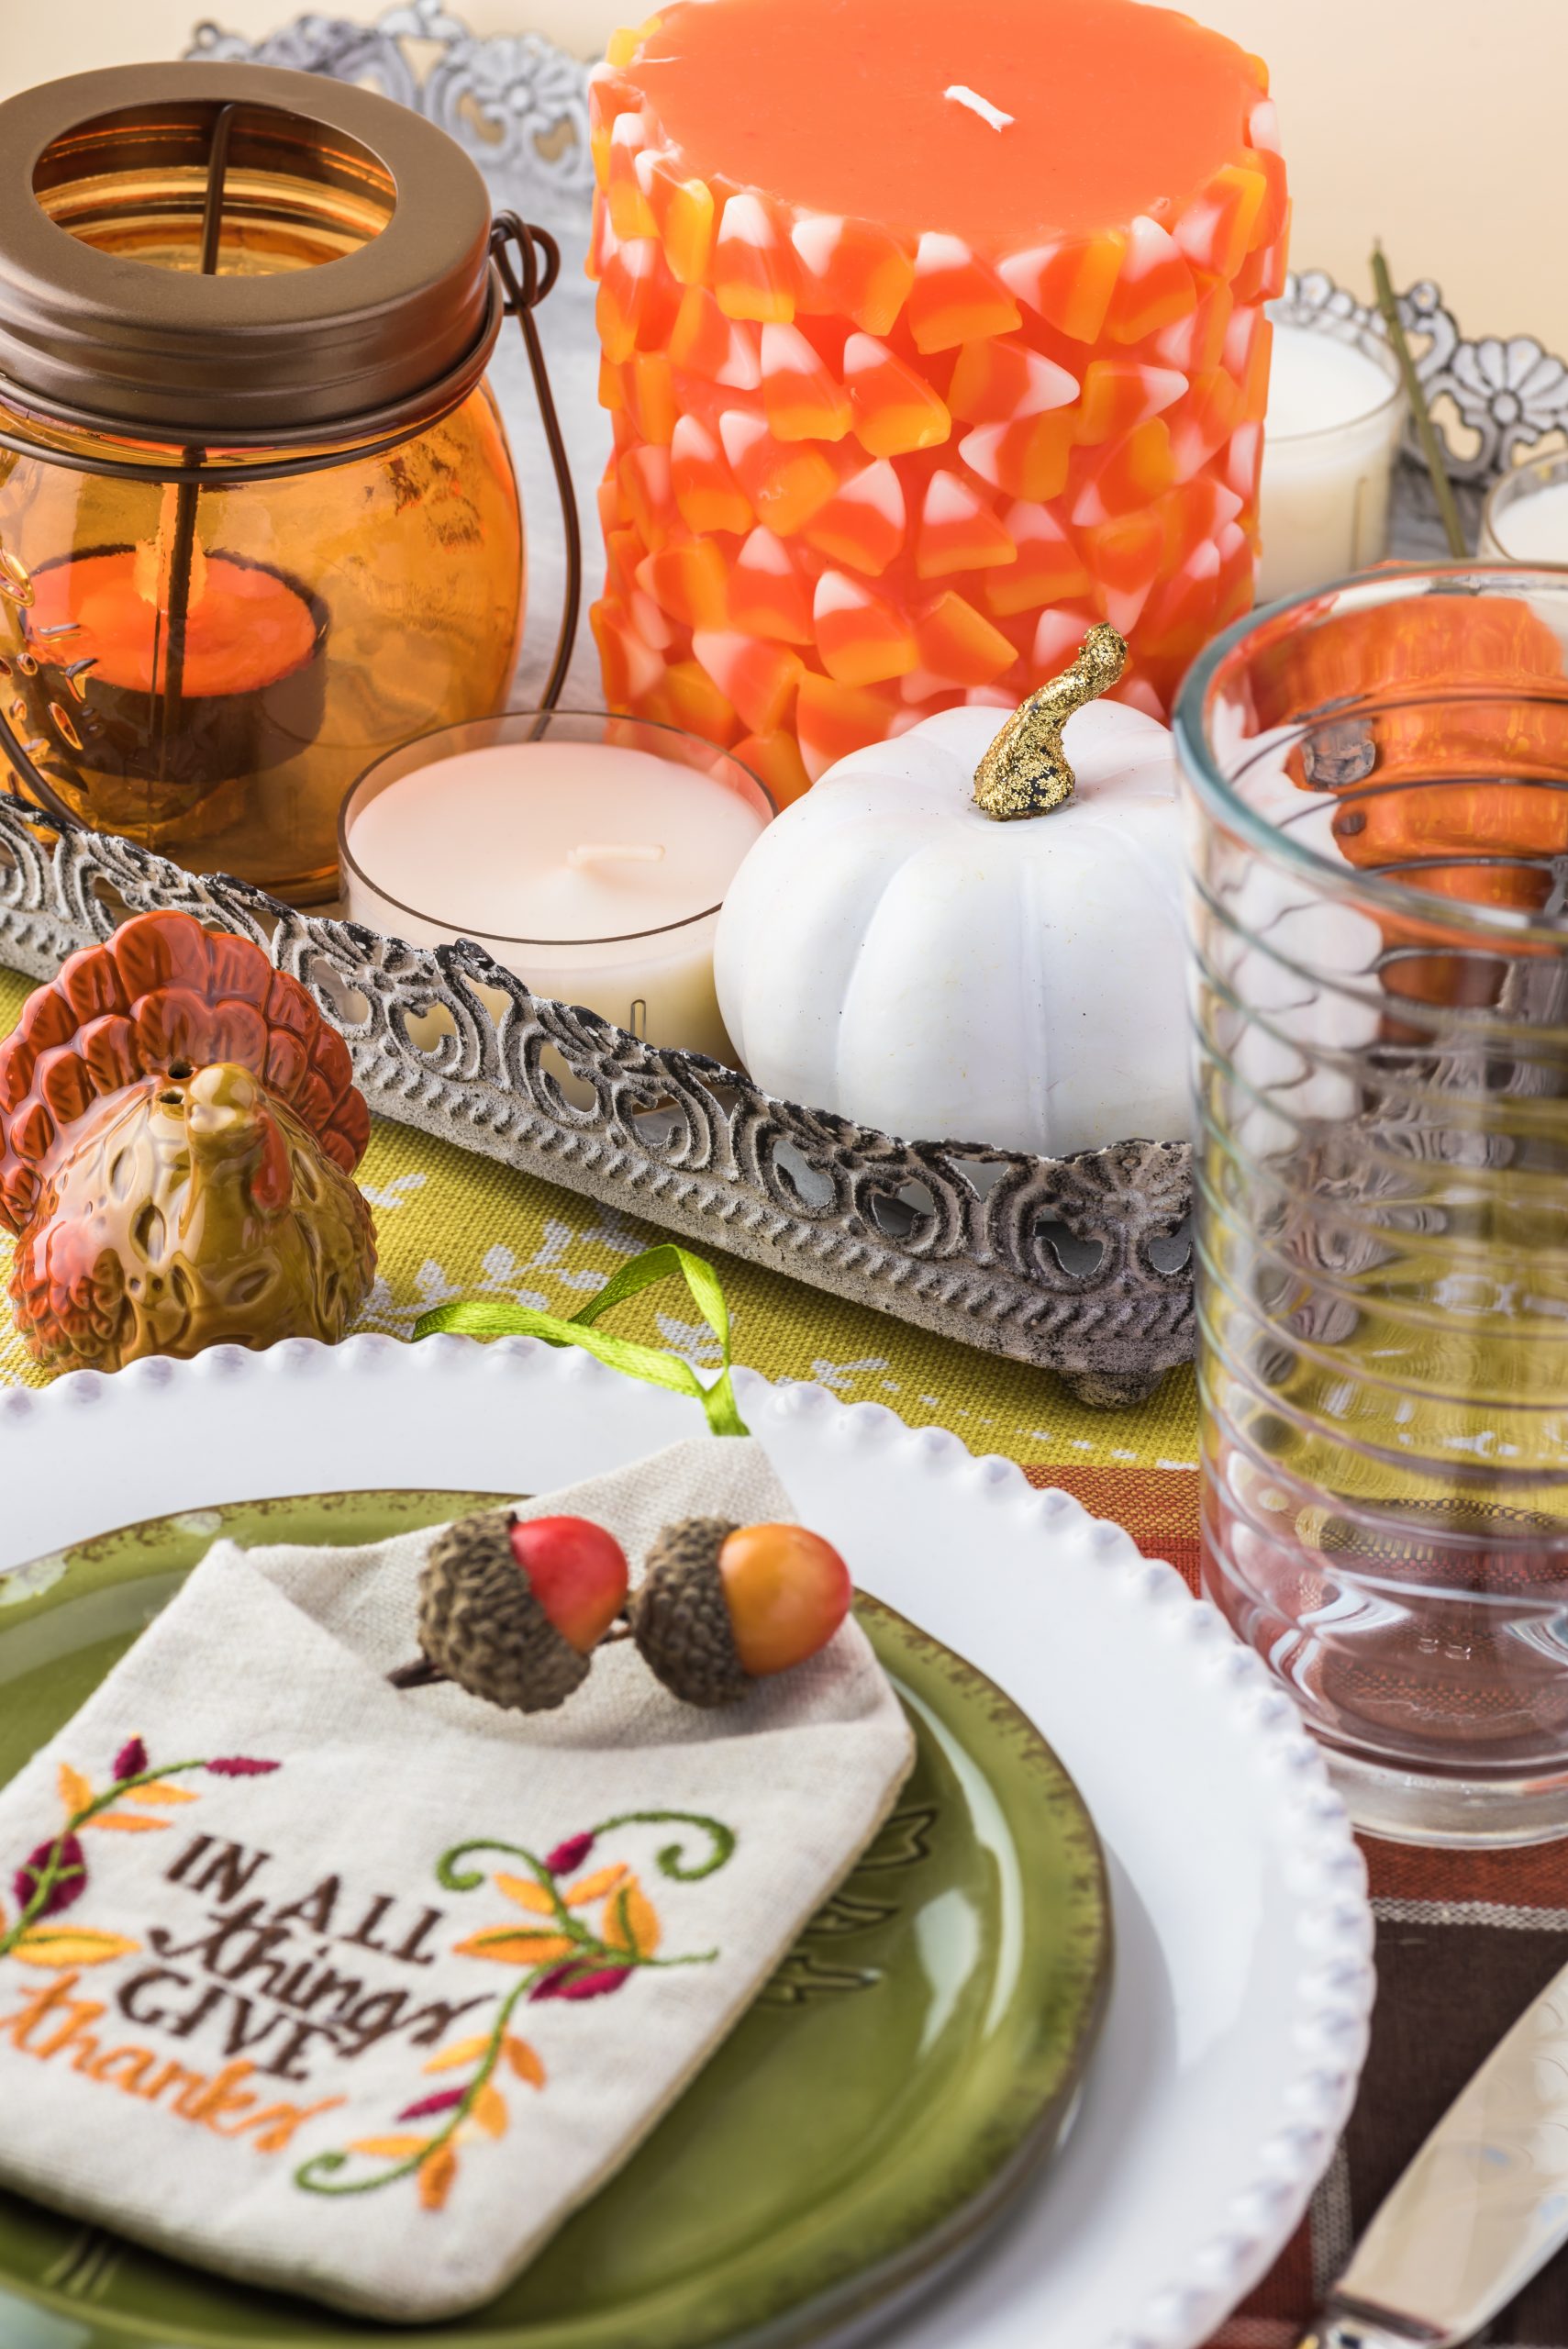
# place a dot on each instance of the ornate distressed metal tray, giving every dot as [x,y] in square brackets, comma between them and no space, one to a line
[1081,1265]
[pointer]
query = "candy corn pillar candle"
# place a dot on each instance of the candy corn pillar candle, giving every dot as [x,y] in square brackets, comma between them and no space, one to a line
[933,330]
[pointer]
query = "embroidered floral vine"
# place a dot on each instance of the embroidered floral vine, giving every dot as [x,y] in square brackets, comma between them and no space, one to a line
[577,1937]
[54,1877]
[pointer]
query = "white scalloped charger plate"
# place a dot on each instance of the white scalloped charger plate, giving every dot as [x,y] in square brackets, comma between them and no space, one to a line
[1237,2021]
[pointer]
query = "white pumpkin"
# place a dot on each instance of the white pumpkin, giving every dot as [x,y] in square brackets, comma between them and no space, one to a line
[889,951]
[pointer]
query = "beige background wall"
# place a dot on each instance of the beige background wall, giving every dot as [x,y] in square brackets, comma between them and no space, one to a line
[1435,124]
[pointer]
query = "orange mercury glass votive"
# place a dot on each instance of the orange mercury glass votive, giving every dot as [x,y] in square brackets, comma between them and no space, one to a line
[931,334]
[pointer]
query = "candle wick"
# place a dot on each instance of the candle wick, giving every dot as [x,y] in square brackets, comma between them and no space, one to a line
[963,96]
[613,853]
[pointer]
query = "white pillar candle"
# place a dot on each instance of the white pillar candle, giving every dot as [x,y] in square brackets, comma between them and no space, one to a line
[1335,414]
[593,871]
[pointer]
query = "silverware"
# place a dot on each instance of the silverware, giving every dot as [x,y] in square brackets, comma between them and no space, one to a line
[1480,2209]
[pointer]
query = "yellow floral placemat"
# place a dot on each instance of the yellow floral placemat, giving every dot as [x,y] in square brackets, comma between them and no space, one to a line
[450,1224]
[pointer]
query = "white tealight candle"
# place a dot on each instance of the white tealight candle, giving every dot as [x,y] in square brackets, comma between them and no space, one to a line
[593,871]
[1526,516]
[1336,410]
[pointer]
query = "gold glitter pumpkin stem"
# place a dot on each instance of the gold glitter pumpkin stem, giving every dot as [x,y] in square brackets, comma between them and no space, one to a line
[1026,771]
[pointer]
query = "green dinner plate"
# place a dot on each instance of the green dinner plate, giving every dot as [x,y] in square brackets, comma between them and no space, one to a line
[915,2056]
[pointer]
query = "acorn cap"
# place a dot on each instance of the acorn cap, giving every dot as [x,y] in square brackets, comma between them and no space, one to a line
[680,1617]
[481,1624]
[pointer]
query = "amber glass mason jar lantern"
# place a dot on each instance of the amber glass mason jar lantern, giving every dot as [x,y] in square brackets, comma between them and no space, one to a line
[258,518]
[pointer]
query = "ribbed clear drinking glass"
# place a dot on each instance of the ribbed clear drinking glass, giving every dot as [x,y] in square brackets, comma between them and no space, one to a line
[1376,780]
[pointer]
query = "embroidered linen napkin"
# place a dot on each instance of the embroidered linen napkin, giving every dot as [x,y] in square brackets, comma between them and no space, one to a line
[358,1992]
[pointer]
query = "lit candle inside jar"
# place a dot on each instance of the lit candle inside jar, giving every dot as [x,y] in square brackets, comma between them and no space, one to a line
[1335,414]
[181,665]
[592,869]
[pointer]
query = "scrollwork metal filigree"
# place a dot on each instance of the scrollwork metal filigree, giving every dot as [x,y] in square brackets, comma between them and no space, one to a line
[516,101]
[1077,1265]
[1510,393]
[1507,397]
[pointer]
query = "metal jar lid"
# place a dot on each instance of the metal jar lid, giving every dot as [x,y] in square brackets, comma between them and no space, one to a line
[103,339]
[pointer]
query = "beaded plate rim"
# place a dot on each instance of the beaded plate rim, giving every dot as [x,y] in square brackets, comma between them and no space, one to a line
[1321,1872]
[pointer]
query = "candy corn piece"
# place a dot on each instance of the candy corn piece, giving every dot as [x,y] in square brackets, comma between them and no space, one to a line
[959,644]
[704,341]
[631,669]
[800,399]
[1183,604]
[630,215]
[1197,342]
[682,215]
[1156,285]
[999,379]
[1129,476]
[1057,636]
[688,698]
[706,491]
[775,759]
[1121,393]
[769,596]
[894,409]
[1027,459]
[1195,511]
[862,639]
[687,579]
[634,302]
[956,297]
[644,479]
[959,529]
[1123,558]
[785,485]
[1205,420]
[864,524]
[832,720]
[624,550]
[648,396]
[759,679]
[1048,567]
[850,269]
[1069,285]
[753,270]
[1214,230]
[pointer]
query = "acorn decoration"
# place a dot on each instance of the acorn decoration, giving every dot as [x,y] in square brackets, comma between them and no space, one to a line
[722,1605]
[513,1609]
[178,1130]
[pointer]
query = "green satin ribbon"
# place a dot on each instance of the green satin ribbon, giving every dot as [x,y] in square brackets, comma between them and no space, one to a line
[477,1316]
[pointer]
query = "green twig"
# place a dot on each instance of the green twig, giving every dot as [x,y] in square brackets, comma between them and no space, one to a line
[1426,430]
